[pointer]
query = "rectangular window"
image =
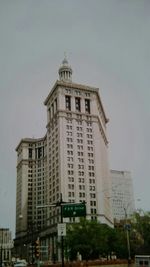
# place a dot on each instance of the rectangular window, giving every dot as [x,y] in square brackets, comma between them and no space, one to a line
[87,106]
[81,180]
[30,153]
[71,179]
[81,194]
[78,104]
[39,152]
[56,104]
[69,120]
[92,195]
[68,91]
[49,113]
[68,102]
[79,122]
[69,133]
[52,110]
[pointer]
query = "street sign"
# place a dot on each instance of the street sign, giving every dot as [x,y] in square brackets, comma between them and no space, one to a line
[74,210]
[127,226]
[61,228]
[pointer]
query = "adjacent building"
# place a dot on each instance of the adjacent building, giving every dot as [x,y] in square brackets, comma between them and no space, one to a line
[31,184]
[6,245]
[122,196]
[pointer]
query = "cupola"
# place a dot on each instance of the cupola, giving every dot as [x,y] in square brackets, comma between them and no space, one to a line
[65,71]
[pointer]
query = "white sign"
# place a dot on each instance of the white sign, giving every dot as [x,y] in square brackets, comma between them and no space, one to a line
[61,229]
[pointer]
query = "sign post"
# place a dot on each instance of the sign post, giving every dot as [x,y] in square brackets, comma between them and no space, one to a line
[66,210]
[61,229]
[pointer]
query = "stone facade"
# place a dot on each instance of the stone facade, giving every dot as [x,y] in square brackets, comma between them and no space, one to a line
[6,244]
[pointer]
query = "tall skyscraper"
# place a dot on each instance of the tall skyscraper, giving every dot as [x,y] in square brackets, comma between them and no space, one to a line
[77,146]
[122,195]
[70,161]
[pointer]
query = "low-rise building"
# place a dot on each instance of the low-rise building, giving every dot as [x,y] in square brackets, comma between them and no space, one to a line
[6,244]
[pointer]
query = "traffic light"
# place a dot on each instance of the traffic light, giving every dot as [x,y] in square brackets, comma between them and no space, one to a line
[37,248]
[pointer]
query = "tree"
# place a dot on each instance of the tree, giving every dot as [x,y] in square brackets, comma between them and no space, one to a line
[81,238]
[94,240]
[121,243]
[91,239]
[139,236]
[141,226]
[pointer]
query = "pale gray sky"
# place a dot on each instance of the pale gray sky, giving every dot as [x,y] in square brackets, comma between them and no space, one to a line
[108,46]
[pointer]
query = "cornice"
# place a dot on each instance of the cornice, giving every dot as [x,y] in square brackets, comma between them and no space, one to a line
[30,140]
[70,85]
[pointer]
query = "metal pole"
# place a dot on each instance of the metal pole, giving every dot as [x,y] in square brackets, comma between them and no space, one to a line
[1,250]
[32,252]
[58,204]
[1,256]
[128,245]
[21,238]
[62,238]
[128,240]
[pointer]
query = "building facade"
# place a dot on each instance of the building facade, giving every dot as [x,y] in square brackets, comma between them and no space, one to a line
[31,184]
[70,162]
[6,245]
[77,147]
[122,195]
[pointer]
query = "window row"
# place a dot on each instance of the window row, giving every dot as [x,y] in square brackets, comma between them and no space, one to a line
[77,92]
[80,138]
[80,135]
[79,122]
[78,104]
[72,194]
[81,186]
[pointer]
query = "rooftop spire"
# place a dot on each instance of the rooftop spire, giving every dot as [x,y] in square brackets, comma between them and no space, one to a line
[65,71]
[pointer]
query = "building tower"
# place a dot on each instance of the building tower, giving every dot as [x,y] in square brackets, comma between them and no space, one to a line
[77,147]
[70,161]
[31,190]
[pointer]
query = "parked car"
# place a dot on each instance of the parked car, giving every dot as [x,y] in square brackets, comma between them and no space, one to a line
[21,263]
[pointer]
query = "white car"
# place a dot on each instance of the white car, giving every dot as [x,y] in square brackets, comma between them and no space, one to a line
[20,264]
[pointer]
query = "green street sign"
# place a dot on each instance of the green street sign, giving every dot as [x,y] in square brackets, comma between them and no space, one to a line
[74,210]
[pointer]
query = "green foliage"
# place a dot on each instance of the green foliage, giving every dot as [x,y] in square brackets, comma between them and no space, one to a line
[91,239]
[121,250]
[94,240]
[141,226]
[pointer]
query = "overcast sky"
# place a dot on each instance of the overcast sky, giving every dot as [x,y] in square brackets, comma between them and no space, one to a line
[108,46]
